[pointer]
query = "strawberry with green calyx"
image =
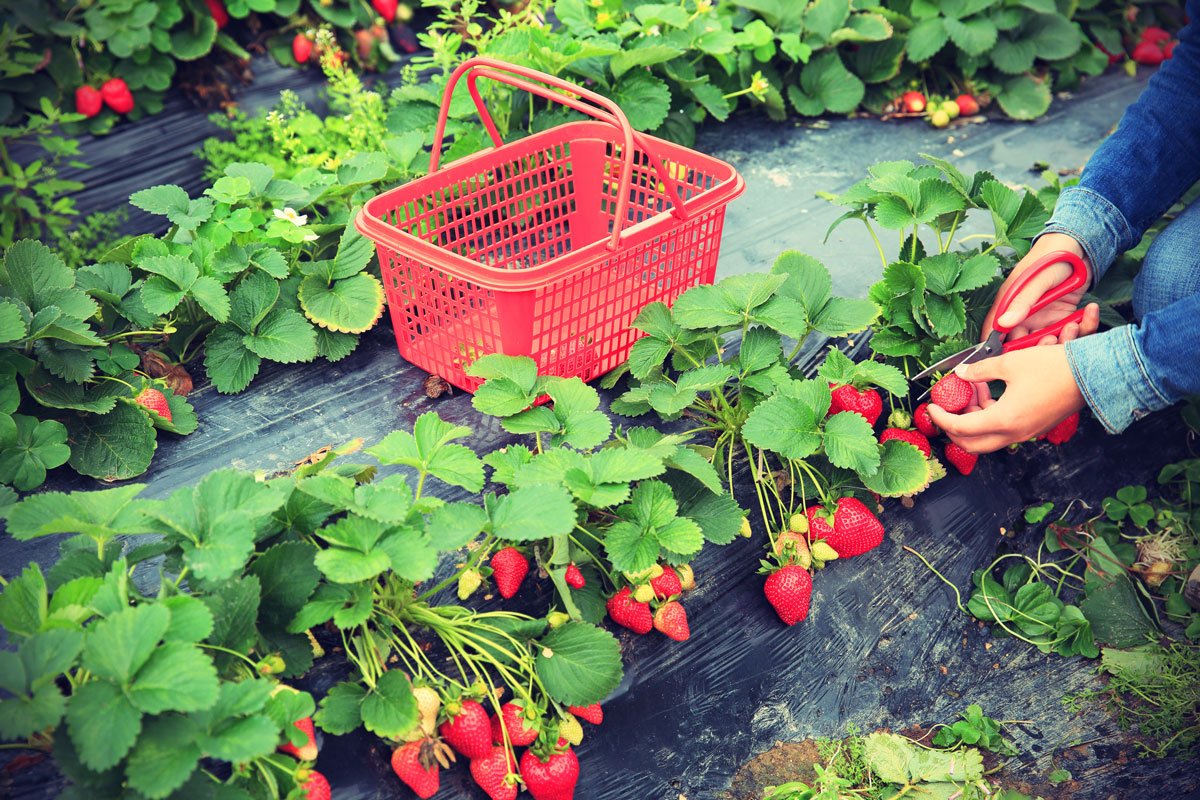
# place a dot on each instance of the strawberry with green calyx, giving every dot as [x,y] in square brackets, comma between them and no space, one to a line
[852,531]
[468,581]
[271,665]
[899,418]
[967,105]
[671,621]
[308,750]
[866,402]
[574,577]
[952,393]
[522,728]
[302,48]
[789,591]
[791,547]
[88,101]
[467,728]
[314,785]
[963,461]
[687,578]
[152,399]
[667,584]
[416,765]
[593,713]
[509,568]
[798,523]
[643,593]
[386,9]
[550,769]
[570,729]
[1063,431]
[915,438]
[822,553]
[924,422]
[629,613]
[116,95]
[495,774]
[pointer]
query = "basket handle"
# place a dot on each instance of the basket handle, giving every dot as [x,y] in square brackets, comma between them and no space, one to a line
[597,107]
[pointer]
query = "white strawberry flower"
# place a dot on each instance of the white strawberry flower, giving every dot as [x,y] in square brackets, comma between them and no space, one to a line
[289,214]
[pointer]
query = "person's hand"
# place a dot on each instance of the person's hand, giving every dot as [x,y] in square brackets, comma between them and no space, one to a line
[1039,392]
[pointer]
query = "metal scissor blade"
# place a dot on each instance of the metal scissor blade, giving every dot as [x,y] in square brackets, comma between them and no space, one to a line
[989,347]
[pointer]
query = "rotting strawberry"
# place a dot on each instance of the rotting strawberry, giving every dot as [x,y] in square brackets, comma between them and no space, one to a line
[667,584]
[1063,431]
[629,613]
[468,730]
[671,621]
[593,713]
[491,773]
[116,95]
[855,529]
[88,101]
[216,9]
[915,438]
[550,778]
[315,786]
[154,400]
[522,731]
[385,9]
[967,105]
[866,403]
[413,764]
[308,750]
[302,48]
[574,577]
[963,461]
[924,422]
[789,591]
[913,102]
[952,393]
[509,568]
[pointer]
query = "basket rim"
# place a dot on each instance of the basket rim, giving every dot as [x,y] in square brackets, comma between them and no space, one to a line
[368,220]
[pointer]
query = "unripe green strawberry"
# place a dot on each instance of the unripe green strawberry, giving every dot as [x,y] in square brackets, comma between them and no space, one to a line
[899,418]
[643,593]
[939,118]
[798,523]
[468,581]
[429,702]
[822,552]
[744,530]
[556,618]
[687,578]
[570,729]
[951,108]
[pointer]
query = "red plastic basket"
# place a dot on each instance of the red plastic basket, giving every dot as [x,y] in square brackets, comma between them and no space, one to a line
[548,246]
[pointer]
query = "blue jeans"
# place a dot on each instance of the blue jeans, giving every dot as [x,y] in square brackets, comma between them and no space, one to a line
[1128,372]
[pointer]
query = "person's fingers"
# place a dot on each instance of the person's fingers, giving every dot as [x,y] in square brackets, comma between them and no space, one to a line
[1018,332]
[968,427]
[1038,286]
[990,369]
[1049,338]
[983,395]
[1091,319]
[1070,333]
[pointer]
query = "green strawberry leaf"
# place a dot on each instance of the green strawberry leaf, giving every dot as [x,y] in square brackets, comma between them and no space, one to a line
[103,724]
[230,364]
[114,446]
[389,709]
[340,711]
[284,336]
[429,448]
[350,305]
[532,513]
[31,448]
[579,664]
[850,443]
[902,470]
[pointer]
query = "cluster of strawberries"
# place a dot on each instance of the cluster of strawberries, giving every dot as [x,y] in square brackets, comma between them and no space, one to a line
[652,601]
[1154,46]
[549,768]
[113,93]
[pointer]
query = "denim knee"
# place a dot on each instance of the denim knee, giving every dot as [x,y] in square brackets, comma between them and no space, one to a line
[1171,269]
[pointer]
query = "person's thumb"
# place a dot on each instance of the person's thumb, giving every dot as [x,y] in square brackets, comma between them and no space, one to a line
[1019,308]
[989,369]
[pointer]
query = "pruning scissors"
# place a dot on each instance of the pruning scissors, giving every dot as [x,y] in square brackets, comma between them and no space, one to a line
[994,344]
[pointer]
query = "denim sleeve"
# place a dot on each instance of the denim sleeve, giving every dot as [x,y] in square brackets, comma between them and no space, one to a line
[1145,166]
[1127,372]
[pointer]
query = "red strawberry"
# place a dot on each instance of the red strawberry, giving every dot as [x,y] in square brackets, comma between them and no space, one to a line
[671,621]
[867,403]
[469,731]
[1169,50]
[791,544]
[217,9]
[915,438]
[116,95]
[522,731]
[629,613]
[952,393]
[667,584]
[509,568]
[967,105]
[1154,35]
[1148,54]
[491,772]
[154,400]
[574,577]
[913,102]
[789,591]
[385,8]
[302,47]
[963,461]
[593,713]
[88,101]
[415,766]
[553,778]
[308,750]
[1064,430]
[924,422]
[316,787]
[855,529]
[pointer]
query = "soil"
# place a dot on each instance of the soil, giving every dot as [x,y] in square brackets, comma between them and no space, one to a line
[786,761]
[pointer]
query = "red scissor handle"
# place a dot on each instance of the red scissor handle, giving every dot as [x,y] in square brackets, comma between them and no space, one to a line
[1077,280]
